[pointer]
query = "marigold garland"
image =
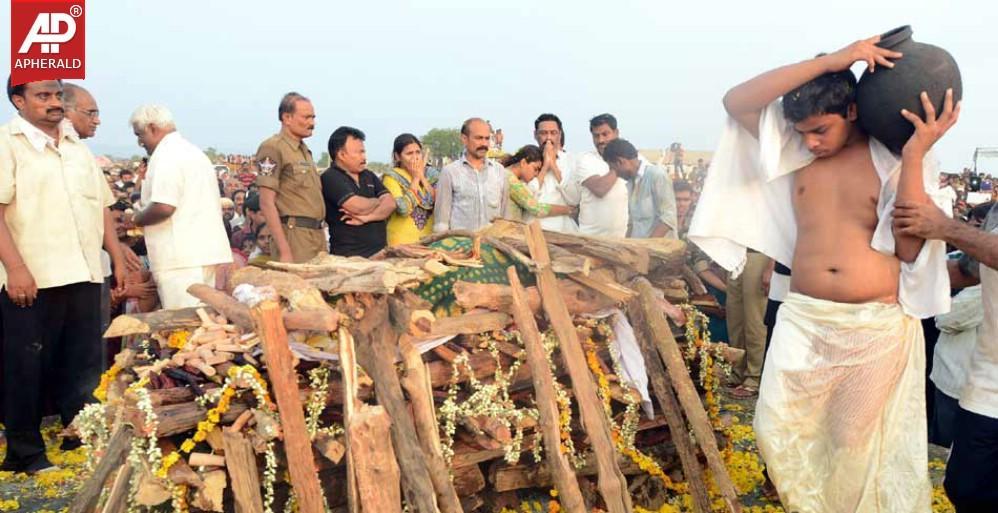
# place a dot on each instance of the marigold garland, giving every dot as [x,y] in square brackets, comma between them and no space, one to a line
[100,393]
[245,375]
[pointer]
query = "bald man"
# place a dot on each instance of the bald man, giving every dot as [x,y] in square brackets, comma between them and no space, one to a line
[81,110]
[471,191]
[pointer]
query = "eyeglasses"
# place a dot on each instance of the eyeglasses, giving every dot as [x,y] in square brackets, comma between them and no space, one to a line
[92,114]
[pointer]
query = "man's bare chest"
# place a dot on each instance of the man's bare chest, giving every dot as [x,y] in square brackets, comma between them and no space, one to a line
[848,192]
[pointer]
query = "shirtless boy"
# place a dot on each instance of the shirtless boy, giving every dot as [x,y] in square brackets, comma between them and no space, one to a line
[842,383]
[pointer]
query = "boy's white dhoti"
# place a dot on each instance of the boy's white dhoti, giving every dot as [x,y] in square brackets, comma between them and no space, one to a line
[840,420]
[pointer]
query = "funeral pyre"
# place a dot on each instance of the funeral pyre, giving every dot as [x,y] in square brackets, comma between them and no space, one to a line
[442,376]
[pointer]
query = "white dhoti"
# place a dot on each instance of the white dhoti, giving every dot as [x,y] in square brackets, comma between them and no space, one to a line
[172,285]
[840,421]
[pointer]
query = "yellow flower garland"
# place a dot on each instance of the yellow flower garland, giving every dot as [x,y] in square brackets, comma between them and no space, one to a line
[214,416]
[100,393]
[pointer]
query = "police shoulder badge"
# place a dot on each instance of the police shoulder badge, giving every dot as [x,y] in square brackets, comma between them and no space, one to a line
[266,166]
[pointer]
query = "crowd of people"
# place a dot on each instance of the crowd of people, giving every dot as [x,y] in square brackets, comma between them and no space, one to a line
[817,283]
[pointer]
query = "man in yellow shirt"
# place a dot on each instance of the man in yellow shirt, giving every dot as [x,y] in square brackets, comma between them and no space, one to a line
[54,218]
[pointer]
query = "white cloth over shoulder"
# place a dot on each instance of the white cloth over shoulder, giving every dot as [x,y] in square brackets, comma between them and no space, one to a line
[756,175]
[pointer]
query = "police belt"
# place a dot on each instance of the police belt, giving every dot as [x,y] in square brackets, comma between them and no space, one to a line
[302,222]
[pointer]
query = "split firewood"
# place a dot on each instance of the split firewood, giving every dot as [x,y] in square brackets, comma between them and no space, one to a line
[117,499]
[330,447]
[112,459]
[209,497]
[151,491]
[557,464]
[376,348]
[376,470]
[301,463]
[200,459]
[467,324]
[612,485]
[241,465]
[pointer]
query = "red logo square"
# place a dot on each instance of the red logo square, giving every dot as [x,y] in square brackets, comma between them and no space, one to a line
[47,40]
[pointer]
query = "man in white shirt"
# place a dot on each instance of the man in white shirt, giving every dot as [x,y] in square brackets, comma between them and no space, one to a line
[972,471]
[602,195]
[53,221]
[946,189]
[183,225]
[555,182]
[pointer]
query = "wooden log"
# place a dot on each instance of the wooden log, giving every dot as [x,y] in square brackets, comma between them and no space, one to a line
[284,382]
[619,252]
[505,477]
[376,348]
[612,485]
[578,298]
[117,498]
[377,473]
[236,312]
[200,459]
[417,386]
[605,285]
[348,373]
[166,320]
[312,319]
[544,396]
[467,324]
[668,350]
[468,480]
[240,461]
[179,418]
[144,323]
[113,458]
[411,314]
[298,292]
[662,387]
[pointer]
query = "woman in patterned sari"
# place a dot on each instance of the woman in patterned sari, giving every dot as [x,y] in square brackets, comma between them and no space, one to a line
[412,184]
[521,168]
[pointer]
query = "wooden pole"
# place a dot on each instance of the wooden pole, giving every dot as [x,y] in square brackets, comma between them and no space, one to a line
[113,458]
[117,499]
[241,464]
[417,385]
[284,381]
[348,371]
[671,410]
[376,469]
[668,350]
[376,350]
[611,481]
[544,396]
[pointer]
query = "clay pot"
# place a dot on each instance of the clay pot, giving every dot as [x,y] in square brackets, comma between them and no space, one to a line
[881,95]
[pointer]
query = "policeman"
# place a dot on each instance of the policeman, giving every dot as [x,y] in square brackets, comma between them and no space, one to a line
[290,189]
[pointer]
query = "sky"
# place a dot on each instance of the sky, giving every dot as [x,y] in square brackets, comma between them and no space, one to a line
[388,67]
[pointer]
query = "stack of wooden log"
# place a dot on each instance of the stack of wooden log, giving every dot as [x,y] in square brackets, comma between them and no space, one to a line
[331,384]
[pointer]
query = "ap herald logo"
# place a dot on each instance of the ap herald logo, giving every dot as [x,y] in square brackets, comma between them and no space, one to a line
[47,40]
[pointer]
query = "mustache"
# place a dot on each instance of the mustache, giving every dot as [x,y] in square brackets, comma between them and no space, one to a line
[482,148]
[55,109]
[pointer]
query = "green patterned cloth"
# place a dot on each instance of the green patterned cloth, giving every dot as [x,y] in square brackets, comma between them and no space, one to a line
[439,292]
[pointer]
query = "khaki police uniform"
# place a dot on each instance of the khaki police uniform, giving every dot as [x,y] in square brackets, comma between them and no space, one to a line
[286,167]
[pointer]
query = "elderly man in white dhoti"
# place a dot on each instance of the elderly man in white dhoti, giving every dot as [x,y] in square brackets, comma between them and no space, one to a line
[840,420]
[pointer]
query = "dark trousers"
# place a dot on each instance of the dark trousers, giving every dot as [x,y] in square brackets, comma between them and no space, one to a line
[769,319]
[50,347]
[972,472]
[942,423]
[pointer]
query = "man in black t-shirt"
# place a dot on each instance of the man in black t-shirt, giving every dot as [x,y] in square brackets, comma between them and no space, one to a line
[357,203]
